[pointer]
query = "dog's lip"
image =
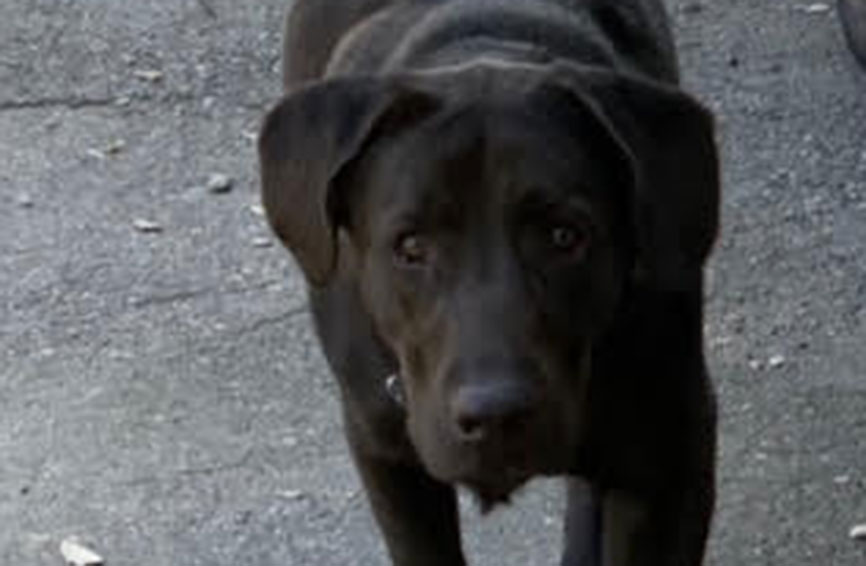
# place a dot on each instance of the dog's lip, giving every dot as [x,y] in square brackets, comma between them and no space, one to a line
[496,479]
[496,488]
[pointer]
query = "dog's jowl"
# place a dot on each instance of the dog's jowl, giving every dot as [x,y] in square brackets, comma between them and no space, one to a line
[502,209]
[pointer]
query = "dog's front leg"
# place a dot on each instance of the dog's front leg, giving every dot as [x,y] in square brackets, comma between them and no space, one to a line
[665,531]
[582,525]
[417,515]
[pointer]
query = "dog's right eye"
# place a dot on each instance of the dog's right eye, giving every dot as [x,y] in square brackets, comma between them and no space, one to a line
[569,240]
[412,250]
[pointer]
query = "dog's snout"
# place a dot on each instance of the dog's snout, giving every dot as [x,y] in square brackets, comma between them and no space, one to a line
[492,408]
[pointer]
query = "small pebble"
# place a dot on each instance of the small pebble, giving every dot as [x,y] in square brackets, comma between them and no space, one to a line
[75,554]
[149,75]
[776,362]
[114,147]
[817,8]
[25,201]
[858,532]
[257,209]
[292,494]
[262,243]
[219,183]
[146,226]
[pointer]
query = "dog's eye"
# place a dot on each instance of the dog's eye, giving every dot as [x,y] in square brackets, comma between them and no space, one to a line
[569,240]
[412,249]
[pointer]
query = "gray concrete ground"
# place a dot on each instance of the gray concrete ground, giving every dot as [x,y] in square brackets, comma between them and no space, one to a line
[161,396]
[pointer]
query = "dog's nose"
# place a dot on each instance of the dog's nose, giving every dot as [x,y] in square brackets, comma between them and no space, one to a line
[492,408]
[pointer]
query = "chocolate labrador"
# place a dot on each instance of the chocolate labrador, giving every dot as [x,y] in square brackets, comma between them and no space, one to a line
[853,16]
[502,209]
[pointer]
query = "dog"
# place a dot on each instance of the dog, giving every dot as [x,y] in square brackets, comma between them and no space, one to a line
[852,13]
[502,209]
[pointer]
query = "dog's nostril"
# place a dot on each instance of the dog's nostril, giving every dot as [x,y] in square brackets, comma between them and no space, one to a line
[483,410]
[471,429]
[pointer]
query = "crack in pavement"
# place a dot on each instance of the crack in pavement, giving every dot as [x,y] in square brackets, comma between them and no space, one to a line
[171,298]
[168,97]
[207,8]
[268,321]
[240,463]
[73,103]
[193,294]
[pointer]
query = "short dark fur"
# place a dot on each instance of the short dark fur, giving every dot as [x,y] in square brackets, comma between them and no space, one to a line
[508,203]
[853,16]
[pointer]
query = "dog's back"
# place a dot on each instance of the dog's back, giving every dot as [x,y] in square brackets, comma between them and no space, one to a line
[325,37]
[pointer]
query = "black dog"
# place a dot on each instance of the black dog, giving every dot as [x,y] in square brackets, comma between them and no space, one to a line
[853,16]
[503,208]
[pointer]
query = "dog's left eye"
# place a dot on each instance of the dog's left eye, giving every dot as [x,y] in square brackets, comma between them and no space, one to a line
[569,240]
[412,250]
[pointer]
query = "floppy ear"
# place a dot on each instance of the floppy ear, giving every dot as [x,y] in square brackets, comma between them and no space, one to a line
[669,140]
[305,142]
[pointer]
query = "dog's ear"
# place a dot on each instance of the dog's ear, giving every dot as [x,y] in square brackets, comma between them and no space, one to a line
[669,140]
[305,143]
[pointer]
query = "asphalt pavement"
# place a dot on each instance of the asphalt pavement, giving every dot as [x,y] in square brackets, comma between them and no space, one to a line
[162,398]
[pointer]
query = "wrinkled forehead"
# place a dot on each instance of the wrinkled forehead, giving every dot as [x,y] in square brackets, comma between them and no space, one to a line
[490,155]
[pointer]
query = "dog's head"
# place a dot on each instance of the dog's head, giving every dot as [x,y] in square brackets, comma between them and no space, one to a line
[496,218]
